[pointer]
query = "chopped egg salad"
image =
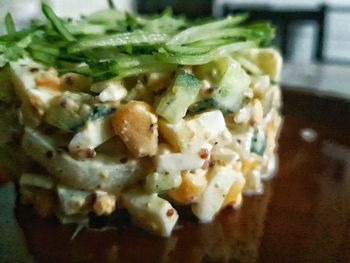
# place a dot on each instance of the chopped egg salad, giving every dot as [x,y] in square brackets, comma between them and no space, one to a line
[195,130]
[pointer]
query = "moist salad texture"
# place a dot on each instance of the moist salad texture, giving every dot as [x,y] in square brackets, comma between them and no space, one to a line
[119,111]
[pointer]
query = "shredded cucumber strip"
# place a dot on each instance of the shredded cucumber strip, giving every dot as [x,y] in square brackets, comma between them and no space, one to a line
[221,34]
[126,72]
[113,44]
[190,50]
[206,57]
[120,39]
[45,49]
[2,47]
[211,42]
[65,67]
[84,28]
[108,16]
[9,24]
[18,35]
[56,22]
[247,65]
[196,33]
[126,61]
[43,57]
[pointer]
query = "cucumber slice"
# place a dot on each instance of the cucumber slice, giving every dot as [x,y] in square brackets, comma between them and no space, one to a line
[150,212]
[231,82]
[174,103]
[68,112]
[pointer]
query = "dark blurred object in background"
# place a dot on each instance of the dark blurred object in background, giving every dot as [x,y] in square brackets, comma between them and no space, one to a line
[191,9]
[284,19]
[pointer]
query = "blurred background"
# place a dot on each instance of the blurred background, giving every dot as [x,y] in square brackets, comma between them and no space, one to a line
[313,35]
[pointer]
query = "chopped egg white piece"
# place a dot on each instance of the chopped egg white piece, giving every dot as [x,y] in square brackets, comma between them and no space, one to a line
[190,134]
[21,70]
[36,180]
[272,166]
[157,182]
[72,201]
[253,184]
[24,74]
[93,134]
[245,141]
[243,114]
[41,98]
[113,92]
[225,155]
[150,212]
[172,162]
[260,84]
[221,180]
[102,172]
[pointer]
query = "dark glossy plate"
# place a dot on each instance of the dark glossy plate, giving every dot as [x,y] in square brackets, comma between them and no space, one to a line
[303,216]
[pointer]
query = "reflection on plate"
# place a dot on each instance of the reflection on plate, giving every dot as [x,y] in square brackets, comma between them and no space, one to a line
[304,215]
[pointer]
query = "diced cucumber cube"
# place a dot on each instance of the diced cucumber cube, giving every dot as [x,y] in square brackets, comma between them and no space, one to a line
[174,103]
[230,82]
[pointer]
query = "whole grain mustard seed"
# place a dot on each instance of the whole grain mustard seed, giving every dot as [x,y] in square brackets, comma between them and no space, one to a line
[49,154]
[203,153]
[33,70]
[170,212]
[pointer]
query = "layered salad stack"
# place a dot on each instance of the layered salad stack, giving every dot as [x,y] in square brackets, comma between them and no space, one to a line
[119,111]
